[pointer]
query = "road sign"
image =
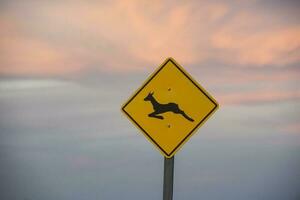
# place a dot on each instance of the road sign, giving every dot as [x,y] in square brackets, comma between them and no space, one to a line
[169,107]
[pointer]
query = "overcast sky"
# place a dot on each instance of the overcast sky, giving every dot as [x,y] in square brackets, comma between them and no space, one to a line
[66,67]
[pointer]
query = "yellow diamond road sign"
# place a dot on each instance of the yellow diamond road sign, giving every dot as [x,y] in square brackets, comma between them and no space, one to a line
[169,107]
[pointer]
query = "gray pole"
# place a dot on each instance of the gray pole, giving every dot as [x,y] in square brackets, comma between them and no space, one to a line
[168,178]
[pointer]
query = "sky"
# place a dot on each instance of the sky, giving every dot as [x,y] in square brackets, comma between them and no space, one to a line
[66,67]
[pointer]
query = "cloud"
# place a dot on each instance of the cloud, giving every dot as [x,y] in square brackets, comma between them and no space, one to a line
[31,84]
[271,47]
[26,55]
[82,36]
[82,162]
[139,33]
[292,128]
[258,97]
[242,44]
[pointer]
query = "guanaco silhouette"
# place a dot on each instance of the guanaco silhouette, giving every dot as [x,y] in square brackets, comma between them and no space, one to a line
[162,108]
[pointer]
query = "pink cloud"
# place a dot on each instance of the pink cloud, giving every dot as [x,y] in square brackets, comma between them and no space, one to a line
[292,128]
[241,77]
[64,37]
[140,33]
[246,40]
[27,55]
[254,97]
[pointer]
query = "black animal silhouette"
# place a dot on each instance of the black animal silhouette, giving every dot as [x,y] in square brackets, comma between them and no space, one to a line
[162,108]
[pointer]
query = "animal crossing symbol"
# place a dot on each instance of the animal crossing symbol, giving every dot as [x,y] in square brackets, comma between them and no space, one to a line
[169,107]
[162,108]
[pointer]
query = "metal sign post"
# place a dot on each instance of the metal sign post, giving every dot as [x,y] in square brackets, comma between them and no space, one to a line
[168,178]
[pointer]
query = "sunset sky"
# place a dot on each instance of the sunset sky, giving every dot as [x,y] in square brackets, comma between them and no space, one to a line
[66,67]
[251,46]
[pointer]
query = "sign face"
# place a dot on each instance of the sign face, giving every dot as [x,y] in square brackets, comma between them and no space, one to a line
[169,107]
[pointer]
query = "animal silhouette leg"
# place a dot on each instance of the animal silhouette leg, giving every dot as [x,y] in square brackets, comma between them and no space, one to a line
[154,114]
[185,116]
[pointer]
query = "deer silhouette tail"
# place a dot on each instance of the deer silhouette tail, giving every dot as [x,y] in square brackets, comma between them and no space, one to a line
[186,116]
